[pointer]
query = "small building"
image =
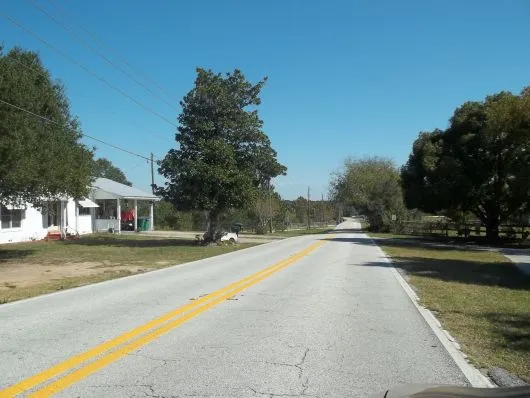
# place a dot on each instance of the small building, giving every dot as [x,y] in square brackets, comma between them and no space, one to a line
[101,211]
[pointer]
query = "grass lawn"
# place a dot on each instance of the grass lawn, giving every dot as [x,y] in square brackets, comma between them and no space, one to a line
[34,268]
[479,296]
[299,232]
[454,239]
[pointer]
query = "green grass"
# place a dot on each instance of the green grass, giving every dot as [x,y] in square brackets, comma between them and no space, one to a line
[300,232]
[390,235]
[503,242]
[114,255]
[479,296]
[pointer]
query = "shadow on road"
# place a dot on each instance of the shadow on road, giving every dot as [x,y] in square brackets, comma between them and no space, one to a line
[345,231]
[408,242]
[444,262]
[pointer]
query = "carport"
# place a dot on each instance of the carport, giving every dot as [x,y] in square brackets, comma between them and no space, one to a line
[111,195]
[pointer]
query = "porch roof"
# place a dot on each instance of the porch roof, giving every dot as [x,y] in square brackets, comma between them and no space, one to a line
[103,188]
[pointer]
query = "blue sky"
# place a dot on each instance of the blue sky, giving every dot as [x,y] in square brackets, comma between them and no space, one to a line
[346,78]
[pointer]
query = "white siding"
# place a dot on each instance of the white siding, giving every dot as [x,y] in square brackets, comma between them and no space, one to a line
[85,224]
[35,227]
[31,228]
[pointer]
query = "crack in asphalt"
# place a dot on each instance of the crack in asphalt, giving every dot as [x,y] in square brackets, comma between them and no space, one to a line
[295,365]
[272,395]
[153,358]
[299,364]
[305,382]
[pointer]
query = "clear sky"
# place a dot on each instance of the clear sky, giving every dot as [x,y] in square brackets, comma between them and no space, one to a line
[346,78]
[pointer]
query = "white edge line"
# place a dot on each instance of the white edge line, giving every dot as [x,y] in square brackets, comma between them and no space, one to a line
[472,374]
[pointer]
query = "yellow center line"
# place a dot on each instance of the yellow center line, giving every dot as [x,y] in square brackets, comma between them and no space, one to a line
[83,372]
[127,337]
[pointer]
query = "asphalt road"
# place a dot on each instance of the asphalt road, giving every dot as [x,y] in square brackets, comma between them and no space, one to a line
[330,319]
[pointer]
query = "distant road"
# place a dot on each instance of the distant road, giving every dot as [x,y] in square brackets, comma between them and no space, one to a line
[319,315]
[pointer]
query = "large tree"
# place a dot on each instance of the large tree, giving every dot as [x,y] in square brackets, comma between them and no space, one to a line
[371,186]
[223,156]
[480,164]
[104,168]
[38,159]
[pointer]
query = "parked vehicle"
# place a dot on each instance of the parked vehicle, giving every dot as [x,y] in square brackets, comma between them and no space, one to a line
[127,225]
[230,237]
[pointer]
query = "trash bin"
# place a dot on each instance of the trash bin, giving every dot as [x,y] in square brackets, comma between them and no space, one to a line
[236,227]
[143,223]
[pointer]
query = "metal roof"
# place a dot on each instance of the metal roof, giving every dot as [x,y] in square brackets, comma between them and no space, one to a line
[87,203]
[103,188]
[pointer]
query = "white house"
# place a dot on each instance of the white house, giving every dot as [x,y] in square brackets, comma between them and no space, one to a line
[101,211]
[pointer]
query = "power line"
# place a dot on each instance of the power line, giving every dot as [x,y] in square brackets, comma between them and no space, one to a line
[103,56]
[69,128]
[86,69]
[30,68]
[114,50]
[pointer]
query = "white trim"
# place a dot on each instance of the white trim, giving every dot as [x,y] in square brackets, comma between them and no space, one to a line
[87,203]
[472,374]
[152,217]
[118,214]
[135,215]
[15,207]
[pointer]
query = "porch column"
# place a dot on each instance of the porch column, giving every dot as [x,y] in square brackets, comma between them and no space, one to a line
[135,214]
[76,204]
[118,210]
[61,219]
[152,216]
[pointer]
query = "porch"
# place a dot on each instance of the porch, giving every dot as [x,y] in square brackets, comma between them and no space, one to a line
[118,206]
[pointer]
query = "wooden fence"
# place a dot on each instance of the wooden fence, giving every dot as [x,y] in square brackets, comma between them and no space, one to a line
[444,228]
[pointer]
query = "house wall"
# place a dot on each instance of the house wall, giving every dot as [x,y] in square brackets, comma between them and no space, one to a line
[34,225]
[32,228]
[85,224]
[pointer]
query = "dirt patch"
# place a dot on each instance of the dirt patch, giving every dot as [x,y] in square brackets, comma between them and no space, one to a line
[27,274]
[34,268]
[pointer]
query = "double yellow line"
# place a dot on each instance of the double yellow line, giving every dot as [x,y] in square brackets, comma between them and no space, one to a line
[80,366]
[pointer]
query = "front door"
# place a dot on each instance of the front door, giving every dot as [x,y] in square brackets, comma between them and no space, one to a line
[54,215]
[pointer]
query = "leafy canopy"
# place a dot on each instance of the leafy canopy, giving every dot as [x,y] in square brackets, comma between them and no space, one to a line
[372,186]
[480,164]
[38,159]
[104,168]
[223,156]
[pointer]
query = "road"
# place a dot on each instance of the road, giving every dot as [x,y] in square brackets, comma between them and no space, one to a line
[329,318]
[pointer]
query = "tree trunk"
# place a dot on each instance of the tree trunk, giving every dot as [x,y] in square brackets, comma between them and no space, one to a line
[212,226]
[492,228]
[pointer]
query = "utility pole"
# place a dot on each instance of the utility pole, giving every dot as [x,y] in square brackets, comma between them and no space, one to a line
[152,207]
[152,174]
[308,207]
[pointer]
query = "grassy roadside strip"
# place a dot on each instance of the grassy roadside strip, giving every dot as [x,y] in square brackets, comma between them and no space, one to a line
[93,258]
[480,298]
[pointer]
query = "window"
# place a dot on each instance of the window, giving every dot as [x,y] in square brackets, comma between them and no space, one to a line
[10,218]
[84,211]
